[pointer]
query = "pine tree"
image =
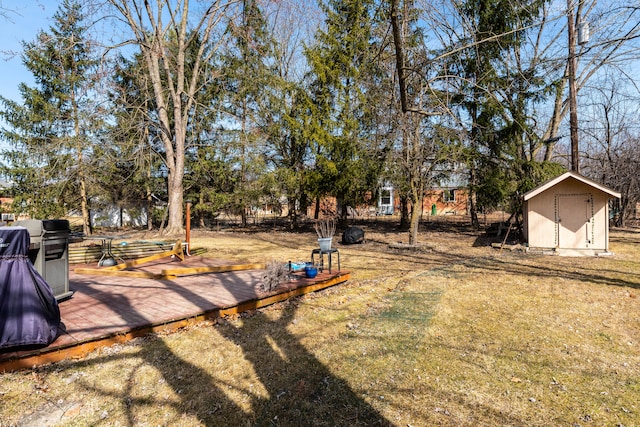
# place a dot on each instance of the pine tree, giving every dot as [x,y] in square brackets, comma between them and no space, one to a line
[493,96]
[50,132]
[289,147]
[248,75]
[130,171]
[341,61]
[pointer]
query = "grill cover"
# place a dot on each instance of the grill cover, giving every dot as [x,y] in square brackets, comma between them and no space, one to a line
[29,313]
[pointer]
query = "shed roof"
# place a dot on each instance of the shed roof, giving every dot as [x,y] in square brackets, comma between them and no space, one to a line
[570,175]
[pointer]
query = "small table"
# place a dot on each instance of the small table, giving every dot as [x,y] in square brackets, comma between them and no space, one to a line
[321,254]
[107,258]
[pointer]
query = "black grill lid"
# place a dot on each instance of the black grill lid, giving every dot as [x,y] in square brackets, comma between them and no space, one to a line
[38,227]
[56,225]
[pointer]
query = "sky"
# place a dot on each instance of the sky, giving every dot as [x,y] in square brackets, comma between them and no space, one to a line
[19,21]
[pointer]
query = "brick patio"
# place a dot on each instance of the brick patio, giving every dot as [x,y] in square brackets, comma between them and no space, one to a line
[104,310]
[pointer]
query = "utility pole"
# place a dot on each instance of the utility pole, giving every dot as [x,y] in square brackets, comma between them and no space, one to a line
[573,103]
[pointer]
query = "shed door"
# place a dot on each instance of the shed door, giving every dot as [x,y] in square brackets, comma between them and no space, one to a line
[574,219]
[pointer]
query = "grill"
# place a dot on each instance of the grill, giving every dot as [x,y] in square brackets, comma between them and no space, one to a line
[49,252]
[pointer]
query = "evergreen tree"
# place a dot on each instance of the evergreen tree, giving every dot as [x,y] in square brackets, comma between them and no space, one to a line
[130,173]
[211,180]
[50,132]
[341,61]
[286,118]
[493,97]
[288,152]
[248,75]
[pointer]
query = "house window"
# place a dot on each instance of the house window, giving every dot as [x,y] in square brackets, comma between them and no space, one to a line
[385,198]
[385,205]
[449,196]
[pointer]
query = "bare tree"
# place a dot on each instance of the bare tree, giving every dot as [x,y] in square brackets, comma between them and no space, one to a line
[5,13]
[614,29]
[612,143]
[291,24]
[177,41]
[421,106]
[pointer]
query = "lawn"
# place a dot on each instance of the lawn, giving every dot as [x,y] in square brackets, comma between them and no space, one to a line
[455,333]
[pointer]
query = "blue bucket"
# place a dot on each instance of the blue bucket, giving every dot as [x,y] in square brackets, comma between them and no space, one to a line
[310,272]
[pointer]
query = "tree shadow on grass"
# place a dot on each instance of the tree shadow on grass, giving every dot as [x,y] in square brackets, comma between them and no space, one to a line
[583,269]
[301,389]
[195,394]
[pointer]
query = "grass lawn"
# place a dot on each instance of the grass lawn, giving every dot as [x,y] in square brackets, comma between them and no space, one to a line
[456,333]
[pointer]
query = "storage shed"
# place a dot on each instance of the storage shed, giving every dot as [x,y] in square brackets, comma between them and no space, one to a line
[568,214]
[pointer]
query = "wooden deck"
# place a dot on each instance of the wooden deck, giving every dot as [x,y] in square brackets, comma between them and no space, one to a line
[106,310]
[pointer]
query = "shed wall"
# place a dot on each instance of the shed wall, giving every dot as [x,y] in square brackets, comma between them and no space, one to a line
[543,228]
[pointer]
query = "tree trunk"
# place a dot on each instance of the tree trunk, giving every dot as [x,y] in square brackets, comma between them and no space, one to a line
[174,154]
[149,205]
[316,212]
[201,212]
[148,187]
[554,124]
[416,208]
[243,213]
[473,209]
[343,220]
[293,214]
[405,221]
[175,209]
[86,230]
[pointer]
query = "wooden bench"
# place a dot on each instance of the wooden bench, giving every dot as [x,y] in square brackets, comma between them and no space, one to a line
[88,254]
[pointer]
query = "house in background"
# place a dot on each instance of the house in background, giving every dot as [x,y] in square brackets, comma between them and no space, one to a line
[568,214]
[386,201]
[449,196]
[114,216]
[446,201]
[6,211]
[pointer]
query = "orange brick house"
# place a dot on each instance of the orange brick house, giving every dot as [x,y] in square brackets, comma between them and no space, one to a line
[436,201]
[450,197]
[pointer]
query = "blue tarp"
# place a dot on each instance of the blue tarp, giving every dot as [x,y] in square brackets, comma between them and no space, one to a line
[29,312]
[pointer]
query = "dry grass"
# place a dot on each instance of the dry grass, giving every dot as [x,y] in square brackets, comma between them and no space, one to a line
[455,334]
